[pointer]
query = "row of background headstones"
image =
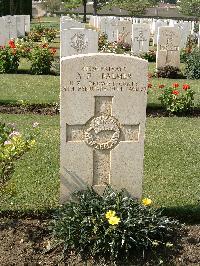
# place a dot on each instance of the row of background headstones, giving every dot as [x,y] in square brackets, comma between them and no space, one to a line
[111,26]
[75,39]
[12,27]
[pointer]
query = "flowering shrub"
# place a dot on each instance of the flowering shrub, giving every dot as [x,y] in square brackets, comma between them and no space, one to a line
[9,58]
[12,146]
[40,31]
[23,47]
[168,72]
[41,58]
[112,47]
[111,228]
[150,56]
[177,101]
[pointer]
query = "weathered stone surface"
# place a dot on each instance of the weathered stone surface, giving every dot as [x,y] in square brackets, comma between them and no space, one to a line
[78,41]
[103,112]
[168,47]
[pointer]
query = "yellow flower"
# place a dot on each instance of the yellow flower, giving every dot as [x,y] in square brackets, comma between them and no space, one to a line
[114,220]
[110,214]
[32,142]
[146,202]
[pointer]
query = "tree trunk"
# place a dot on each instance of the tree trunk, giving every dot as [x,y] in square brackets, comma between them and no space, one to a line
[85,11]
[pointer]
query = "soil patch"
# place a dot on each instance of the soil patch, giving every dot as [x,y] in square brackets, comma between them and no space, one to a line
[28,241]
[43,109]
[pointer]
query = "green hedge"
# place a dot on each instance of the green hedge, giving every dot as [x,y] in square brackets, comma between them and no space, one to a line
[15,7]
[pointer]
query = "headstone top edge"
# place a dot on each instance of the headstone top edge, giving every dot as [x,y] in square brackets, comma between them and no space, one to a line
[103,55]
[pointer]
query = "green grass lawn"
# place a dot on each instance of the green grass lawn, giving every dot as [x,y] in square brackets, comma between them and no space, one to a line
[171,171]
[29,88]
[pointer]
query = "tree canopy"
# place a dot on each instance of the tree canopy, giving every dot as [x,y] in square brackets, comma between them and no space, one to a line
[190,7]
[135,7]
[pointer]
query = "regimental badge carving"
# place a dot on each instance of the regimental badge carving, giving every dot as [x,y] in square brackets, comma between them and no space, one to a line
[79,42]
[103,132]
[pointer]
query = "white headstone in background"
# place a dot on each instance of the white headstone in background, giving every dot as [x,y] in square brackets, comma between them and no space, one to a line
[20,25]
[140,38]
[156,25]
[78,41]
[11,26]
[104,25]
[68,23]
[124,31]
[4,34]
[168,47]
[103,112]
[113,30]
[27,21]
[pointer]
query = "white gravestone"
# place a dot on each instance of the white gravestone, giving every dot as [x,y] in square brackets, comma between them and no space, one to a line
[68,23]
[140,38]
[104,25]
[20,25]
[112,32]
[27,22]
[78,41]
[168,47]
[4,34]
[103,112]
[11,27]
[156,25]
[124,31]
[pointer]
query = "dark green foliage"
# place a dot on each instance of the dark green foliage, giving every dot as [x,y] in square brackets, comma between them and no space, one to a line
[192,70]
[9,60]
[41,58]
[83,228]
[168,72]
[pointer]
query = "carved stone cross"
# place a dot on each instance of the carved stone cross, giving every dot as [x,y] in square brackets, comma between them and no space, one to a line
[102,132]
[140,38]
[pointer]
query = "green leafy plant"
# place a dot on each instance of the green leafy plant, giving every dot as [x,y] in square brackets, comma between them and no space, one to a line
[41,58]
[111,228]
[168,72]
[9,58]
[176,101]
[13,145]
[192,69]
[150,56]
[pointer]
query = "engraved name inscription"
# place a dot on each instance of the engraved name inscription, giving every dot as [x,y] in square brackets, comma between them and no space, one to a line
[96,79]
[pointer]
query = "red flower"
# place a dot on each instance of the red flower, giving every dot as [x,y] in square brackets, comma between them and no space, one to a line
[149,85]
[186,87]
[175,85]
[161,86]
[175,92]
[53,50]
[12,44]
